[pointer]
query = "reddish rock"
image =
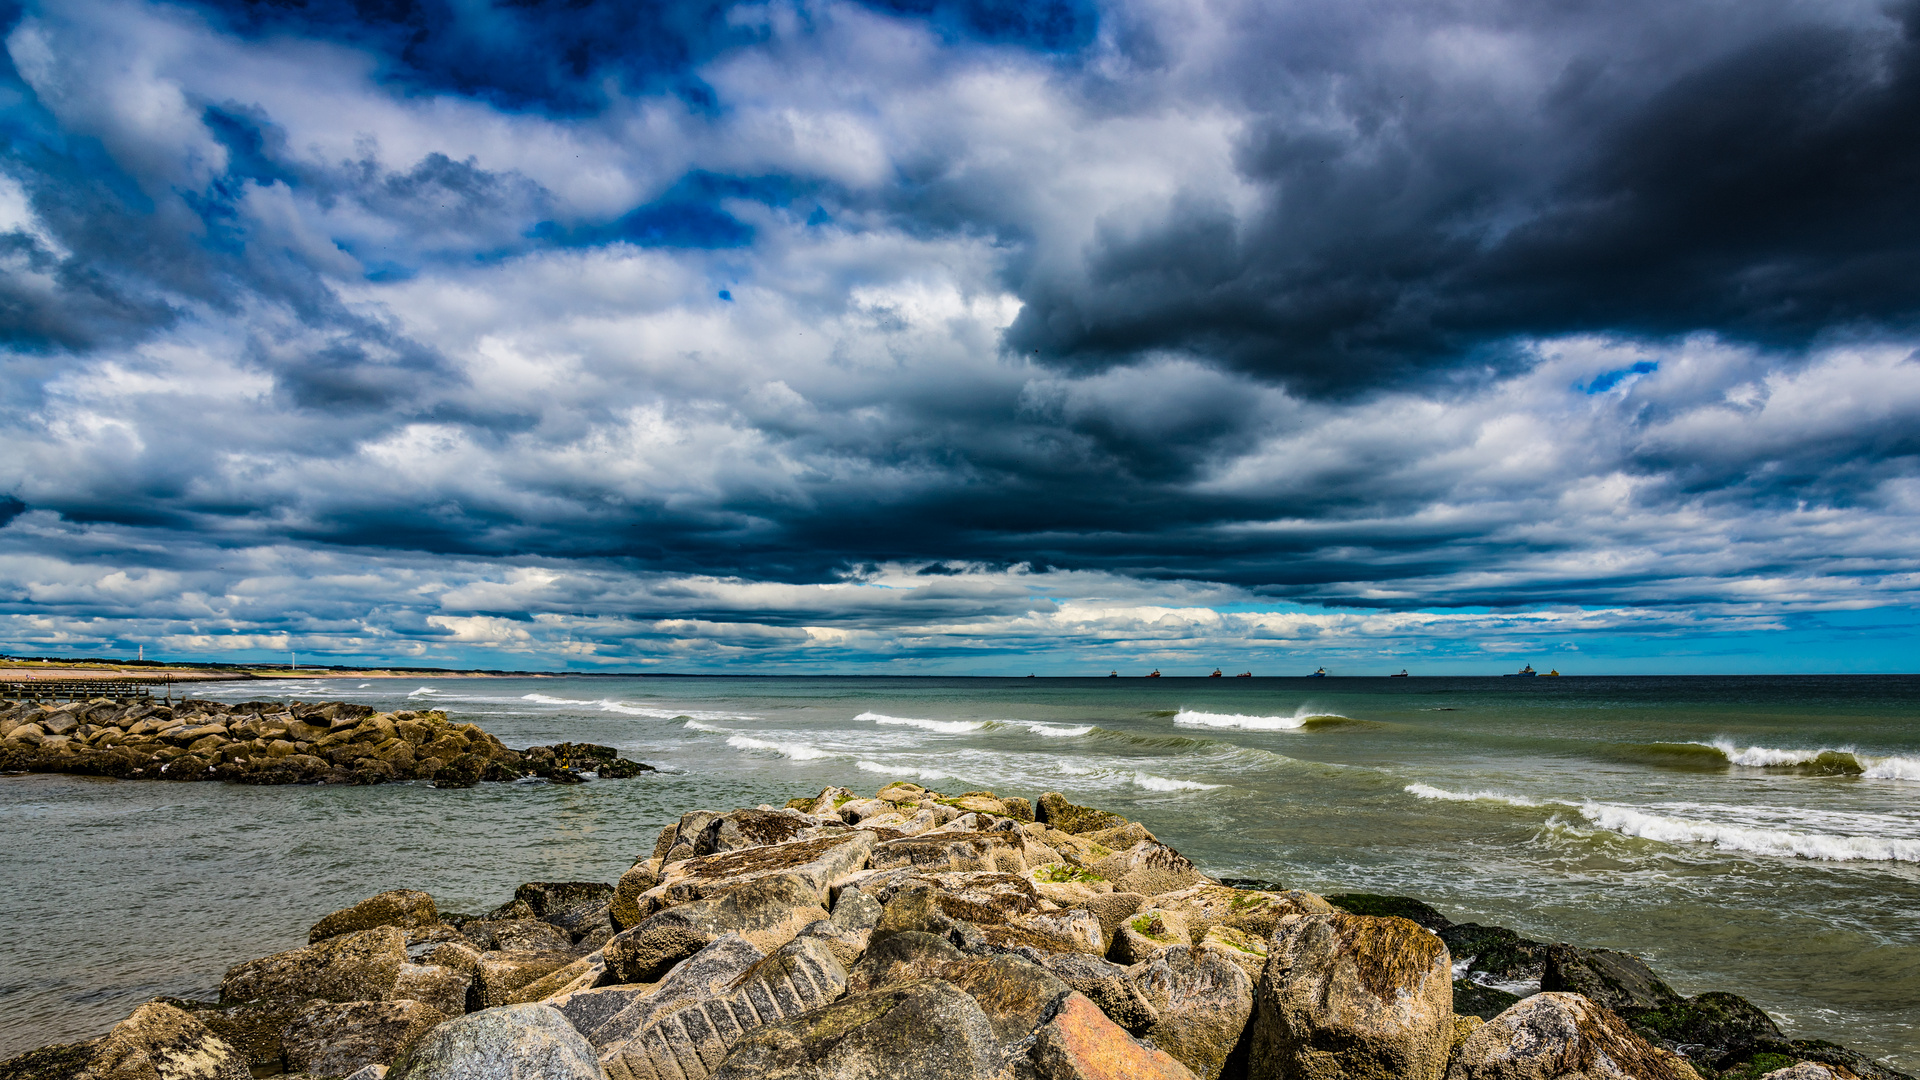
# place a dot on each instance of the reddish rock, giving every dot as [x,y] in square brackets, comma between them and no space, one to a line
[1080,1043]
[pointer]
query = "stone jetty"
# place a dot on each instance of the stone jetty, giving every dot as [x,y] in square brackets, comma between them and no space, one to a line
[914,935]
[271,742]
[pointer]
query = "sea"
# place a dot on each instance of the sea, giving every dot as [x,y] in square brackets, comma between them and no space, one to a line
[1758,835]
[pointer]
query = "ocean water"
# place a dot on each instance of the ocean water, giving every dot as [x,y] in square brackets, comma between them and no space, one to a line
[1758,835]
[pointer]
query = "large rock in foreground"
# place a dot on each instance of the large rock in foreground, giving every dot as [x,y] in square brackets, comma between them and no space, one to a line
[1201,1003]
[1353,997]
[1560,1036]
[513,1042]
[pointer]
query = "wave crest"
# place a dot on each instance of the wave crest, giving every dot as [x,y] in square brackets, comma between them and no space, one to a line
[1301,719]
[1820,761]
[901,770]
[794,751]
[1162,783]
[1055,731]
[1428,791]
[944,727]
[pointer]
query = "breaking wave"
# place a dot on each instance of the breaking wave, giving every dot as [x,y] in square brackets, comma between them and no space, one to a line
[945,727]
[794,751]
[1301,719]
[1428,791]
[1162,783]
[1824,761]
[897,771]
[1055,731]
[1755,840]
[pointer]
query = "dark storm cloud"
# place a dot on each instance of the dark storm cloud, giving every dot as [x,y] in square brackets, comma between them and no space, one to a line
[1765,194]
[550,319]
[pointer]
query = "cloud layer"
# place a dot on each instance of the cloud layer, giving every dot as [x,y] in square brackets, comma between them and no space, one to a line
[840,333]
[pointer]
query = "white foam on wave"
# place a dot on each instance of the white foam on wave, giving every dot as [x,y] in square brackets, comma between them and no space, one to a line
[1765,757]
[1845,758]
[1162,783]
[695,725]
[1428,791]
[902,770]
[1669,829]
[1191,718]
[1889,768]
[1055,731]
[1118,777]
[424,691]
[546,700]
[945,727]
[792,750]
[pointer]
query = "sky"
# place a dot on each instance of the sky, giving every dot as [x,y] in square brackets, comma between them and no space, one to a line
[963,336]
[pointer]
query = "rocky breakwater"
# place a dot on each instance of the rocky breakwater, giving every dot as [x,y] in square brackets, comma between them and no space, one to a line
[271,742]
[918,936]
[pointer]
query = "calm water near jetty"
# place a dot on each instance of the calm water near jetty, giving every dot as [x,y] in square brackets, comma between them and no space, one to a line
[1758,835]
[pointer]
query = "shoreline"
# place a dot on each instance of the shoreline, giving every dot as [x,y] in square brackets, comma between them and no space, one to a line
[1008,883]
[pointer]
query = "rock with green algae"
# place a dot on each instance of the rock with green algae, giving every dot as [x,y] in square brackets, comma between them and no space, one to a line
[1202,1003]
[358,966]
[1486,1002]
[1054,811]
[1377,904]
[1147,935]
[1613,980]
[404,908]
[1015,994]
[1562,1036]
[1353,997]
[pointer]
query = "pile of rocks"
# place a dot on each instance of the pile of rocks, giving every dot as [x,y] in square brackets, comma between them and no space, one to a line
[910,936]
[270,742]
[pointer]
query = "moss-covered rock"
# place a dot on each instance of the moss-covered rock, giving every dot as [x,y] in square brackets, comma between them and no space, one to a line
[1354,996]
[1472,999]
[1402,907]
[404,908]
[1615,980]
[1056,812]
